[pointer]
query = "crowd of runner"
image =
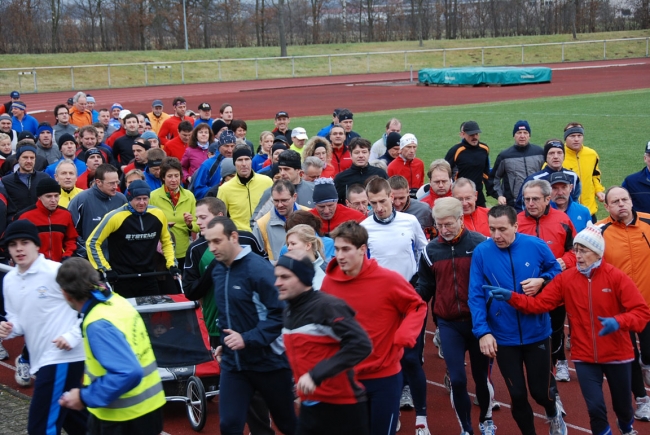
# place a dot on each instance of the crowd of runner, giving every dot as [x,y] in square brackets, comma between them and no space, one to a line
[317,259]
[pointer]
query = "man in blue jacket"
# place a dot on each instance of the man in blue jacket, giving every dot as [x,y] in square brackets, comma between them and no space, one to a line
[523,264]
[250,324]
[638,184]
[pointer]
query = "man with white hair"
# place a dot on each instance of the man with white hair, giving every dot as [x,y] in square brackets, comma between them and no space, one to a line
[79,114]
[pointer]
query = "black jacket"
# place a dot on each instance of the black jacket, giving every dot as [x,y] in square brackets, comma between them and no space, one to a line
[19,195]
[355,175]
[471,162]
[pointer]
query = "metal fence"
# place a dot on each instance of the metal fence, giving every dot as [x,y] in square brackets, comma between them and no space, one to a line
[61,78]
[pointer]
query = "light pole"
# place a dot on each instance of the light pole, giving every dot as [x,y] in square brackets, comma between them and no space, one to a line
[185,26]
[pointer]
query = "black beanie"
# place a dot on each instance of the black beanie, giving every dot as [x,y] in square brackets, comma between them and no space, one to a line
[217,125]
[392,140]
[47,185]
[242,152]
[278,146]
[290,158]
[21,229]
[65,137]
[324,191]
[303,269]
[137,188]
[553,143]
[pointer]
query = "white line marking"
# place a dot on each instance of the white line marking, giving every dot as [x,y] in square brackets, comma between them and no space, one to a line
[579,428]
[598,66]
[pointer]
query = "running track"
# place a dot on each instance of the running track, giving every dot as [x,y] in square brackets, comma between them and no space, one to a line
[361,93]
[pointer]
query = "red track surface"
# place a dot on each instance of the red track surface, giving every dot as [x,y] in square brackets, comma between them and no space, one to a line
[362,93]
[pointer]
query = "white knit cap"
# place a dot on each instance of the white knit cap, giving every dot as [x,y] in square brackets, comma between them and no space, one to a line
[591,238]
[407,139]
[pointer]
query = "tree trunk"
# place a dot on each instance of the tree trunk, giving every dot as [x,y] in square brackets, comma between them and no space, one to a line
[257,23]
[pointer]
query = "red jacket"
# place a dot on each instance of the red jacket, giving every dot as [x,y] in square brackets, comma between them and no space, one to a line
[169,129]
[553,227]
[477,221]
[342,214]
[412,170]
[55,229]
[115,136]
[432,196]
[341,159]
[609,293]
[387,307]
[175,148]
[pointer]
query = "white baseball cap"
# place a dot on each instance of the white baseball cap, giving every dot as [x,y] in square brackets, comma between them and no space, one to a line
[407,139]
[299,133]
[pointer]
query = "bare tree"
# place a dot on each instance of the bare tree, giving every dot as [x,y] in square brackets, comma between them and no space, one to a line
[281,29]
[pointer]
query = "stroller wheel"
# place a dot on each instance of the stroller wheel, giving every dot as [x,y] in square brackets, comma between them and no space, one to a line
[196,403]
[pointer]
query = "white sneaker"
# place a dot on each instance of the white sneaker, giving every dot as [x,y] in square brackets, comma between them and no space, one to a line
[399,424]
[567,342]
[406,400]
[560,406]
[645,369]
[436,338]
[631,432]
[487,427]
[22,376]
[562,371]
[642,408]
[3,352]
[421,430]
[558,427]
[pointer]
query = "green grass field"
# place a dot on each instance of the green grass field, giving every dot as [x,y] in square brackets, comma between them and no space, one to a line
[89,77]
[617,125]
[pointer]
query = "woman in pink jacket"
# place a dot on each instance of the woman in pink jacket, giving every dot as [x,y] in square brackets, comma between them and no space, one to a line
[197,150]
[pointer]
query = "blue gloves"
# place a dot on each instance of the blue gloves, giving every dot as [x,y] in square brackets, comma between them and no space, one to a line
[609,325]
[498,293]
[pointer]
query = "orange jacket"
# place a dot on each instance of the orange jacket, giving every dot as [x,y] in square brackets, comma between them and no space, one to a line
[627,247]
[80,119]
[478,221]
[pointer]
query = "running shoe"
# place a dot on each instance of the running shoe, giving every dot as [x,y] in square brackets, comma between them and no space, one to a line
[567,342]
[22,376]
[487,428]
[406,401]
[562,371]
[642,408]
[3,352]
[558,427]
[645,369]
[399,424]
[436,338]
[630,432]
[494,405]
[421,430]
[560,406]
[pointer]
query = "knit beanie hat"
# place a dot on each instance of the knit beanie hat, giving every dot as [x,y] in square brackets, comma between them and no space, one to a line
[137,188]
[324,191]
[65,137]
[591,238]
[217,125]
[521,125]
[303,269]
[149,135]
[227,167]
[393,140]
[44,126]
[290,159]
[47,185]
[552,143]
[227,137]
[21,229]
[278,146]
[407,139]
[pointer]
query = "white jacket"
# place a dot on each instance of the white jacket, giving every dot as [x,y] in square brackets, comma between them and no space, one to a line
[37,309]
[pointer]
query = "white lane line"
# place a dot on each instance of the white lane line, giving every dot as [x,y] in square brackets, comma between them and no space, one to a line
[572,426]
[568,68]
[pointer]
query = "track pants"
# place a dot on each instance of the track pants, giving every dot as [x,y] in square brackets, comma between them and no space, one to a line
[46,416]
[383,402]
[590,378]
[456,338]
[558,316]
[638,387]
[413,373]
[148,424]
[536,358]
[236,392]
[328,419]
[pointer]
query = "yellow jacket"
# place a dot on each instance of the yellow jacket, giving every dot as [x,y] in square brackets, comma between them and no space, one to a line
[241,199]
[585,164]
[156,123]
[66,197]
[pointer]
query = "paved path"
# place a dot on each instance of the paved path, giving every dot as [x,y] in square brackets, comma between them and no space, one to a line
[14,407]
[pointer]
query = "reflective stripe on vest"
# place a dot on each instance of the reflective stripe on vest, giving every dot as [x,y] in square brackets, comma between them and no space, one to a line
[148,395]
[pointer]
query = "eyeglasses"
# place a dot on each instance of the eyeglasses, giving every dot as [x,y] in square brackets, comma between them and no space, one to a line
[533,199]
[450,226]
[110,183]
[581,251]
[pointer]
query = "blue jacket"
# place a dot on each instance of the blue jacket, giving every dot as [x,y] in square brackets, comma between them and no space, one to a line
[153,182]
[638,184]
[545,174]
[29,123]
[578,213]
[247,302]
[527,257]
[51,169]
[201,180]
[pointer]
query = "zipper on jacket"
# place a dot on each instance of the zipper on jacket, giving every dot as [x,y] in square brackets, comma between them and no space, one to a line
[453,267]
[514,286]
[49,219]
[228,313]
[141,224]
[646,240]
[591,318]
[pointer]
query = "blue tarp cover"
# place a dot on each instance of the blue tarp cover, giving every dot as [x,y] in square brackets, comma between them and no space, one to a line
[483,75]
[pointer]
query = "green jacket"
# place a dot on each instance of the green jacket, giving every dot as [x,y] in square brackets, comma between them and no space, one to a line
[180,230]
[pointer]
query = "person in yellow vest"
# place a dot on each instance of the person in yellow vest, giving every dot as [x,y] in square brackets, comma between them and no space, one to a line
[584,161]
[121,389]
[269,229]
